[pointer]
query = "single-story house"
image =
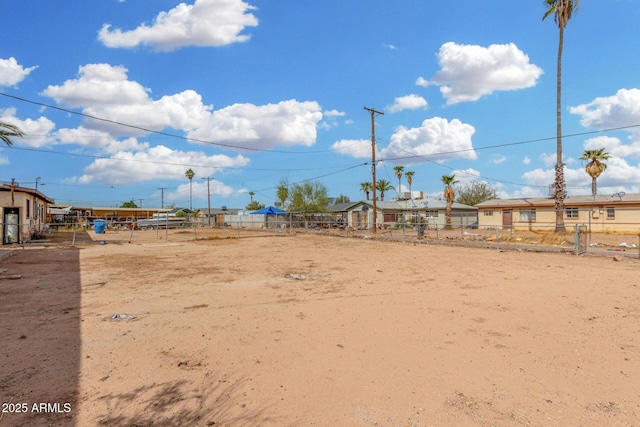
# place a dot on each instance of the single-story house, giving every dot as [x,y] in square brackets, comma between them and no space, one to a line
[617,212]
[215,216]
[23,213]
[428,211]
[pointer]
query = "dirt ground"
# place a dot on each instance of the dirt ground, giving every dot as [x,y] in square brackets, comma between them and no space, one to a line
[222,329]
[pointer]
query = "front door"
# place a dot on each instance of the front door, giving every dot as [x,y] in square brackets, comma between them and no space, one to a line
[507,219]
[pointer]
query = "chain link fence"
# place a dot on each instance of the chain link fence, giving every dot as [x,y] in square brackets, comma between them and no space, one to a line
[578,239]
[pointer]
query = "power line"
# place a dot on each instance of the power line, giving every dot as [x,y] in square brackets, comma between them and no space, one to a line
[167,134]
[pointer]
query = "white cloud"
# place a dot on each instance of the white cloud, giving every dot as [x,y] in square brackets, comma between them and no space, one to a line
[37,133]
[526,160]
[421,81]
[619,176]
[613,146]
[204,23]
[498,159]
[466,175]
[286,123]
[408,102]
[621,109]
[158,162]
[389,46]
[548,159]
[12,73]
[469,72]
[104,91]
[334,113]
[4,160]
[437,139]
[358,148]
[199,190]
[98,139]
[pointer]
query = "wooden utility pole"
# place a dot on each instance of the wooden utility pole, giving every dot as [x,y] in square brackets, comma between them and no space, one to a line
[208,199]
[373,113]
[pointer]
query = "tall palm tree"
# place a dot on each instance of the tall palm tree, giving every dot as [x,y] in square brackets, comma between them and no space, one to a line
[7,131]
[398,170]
[409,175]
[449,195]
[562,10]
[190,174]
[251,194]
[366,187]
[595,165]
[383,186]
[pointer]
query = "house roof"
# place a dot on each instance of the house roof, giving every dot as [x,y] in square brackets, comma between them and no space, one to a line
[618,198]
[17,189]
[427,203]
[340,207]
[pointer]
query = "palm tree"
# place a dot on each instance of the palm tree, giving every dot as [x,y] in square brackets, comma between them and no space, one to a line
[366,187]
[383,186]
[409,175]
[595,165]
[190,174]
[283,192]
[449,195]
[398,170]
[562,10]
[7,131]
[251,194]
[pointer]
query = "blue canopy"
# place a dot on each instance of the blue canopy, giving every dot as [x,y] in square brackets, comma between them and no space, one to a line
[269,210]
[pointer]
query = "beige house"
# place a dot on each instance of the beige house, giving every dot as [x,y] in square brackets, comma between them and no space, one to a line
[432,213]
[619,212]
[23,213]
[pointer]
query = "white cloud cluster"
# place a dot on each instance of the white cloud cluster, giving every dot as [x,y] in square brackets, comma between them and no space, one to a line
[286,123]
[12,73]
[408,102]
[105,91]
[621,109]
[358,148]
[437,139]
[469,72]
[37,133]
[204,23]
[158,162]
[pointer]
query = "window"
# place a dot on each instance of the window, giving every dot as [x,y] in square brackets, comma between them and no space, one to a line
[28,207]
[571,213]
[431,214]
[611,213]
[488,213]
[528,215]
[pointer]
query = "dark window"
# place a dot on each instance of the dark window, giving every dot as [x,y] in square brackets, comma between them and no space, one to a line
[571,213]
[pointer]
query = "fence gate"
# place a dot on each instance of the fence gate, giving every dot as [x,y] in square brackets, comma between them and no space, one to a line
[582,232]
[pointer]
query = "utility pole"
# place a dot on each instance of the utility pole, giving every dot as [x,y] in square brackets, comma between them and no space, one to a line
[373,113]
[140,202]
[162,196]
[208,199]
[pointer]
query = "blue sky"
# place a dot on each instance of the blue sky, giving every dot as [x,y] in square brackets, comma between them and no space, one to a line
[252,92]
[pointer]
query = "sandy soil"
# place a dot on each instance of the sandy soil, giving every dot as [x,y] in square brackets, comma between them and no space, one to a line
[313,330]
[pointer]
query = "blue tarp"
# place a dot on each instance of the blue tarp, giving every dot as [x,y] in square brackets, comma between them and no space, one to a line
[269,210]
